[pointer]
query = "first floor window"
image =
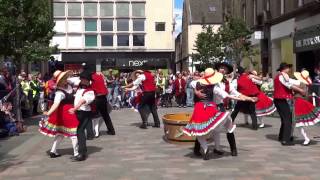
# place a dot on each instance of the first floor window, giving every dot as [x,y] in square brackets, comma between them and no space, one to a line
[138,40]
[107,40]
[91,40]
[123,40]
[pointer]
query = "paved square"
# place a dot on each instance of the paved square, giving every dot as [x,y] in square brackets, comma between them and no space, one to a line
[135,154]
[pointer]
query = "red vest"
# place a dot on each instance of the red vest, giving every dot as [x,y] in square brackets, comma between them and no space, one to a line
[148,84]
[98,84]
[246,86]
[280,90]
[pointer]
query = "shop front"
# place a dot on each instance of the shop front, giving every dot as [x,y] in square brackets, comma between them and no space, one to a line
[307,48]
[122,61]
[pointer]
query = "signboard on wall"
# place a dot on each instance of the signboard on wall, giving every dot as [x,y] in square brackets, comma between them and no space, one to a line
[307,39]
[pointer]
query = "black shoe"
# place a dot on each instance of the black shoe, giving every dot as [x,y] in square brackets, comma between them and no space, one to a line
[290,143]
[234,152]
[80,157]
[143,126]
[53,155]
[111,133]
[220,153]
[156,126]
[292,138]
[206,156]
[197,153]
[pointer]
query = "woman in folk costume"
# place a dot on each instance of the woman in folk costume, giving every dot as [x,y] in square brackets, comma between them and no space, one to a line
[206,117]
[305,113]
[264,105]
[61,123]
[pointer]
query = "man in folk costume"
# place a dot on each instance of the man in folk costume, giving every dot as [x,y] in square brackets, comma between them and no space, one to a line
[99,87]
[148,101]
[248,88]
[283,100]
[83,98]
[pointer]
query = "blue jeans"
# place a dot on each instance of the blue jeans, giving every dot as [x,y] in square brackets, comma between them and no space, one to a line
[110,94]
[190,95]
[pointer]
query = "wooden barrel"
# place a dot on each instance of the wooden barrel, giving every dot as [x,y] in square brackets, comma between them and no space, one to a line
[173,124]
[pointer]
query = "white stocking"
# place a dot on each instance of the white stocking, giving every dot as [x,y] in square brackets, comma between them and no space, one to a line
[216,137]
[74,141]
[203,142]
[304,134]
[56,143]
[96,125]
[260,120]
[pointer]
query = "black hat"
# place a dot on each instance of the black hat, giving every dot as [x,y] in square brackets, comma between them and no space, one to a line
[284,66]
[240,70]
[225,64]
[86,75]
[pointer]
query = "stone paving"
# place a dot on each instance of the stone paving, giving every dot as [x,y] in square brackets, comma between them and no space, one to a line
[135,154]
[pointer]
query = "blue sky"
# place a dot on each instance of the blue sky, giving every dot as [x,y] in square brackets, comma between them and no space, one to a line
[178,4]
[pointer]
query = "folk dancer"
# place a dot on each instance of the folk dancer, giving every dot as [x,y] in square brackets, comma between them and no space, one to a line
[60,123]
[83,98]
[283,100]
[148,101]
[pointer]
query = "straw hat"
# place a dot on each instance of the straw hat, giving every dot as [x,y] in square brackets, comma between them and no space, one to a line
[211,77]
[254,73]
[56,73]
[133,74]
[303,77]
[62,77]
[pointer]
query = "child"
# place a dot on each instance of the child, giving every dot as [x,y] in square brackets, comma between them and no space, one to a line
[10,123]
[83,98]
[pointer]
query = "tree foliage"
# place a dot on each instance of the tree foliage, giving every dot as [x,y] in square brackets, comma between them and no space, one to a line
[230,42]
[26,28]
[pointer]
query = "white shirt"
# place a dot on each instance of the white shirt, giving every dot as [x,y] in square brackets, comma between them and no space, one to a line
[139,80]
[193,84]
[87,96]
[74,81]
[59,95]
[220,93]
[287,81]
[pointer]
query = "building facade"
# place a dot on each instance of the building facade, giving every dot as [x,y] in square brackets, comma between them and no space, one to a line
[195,14]
[120,34]
[284,31]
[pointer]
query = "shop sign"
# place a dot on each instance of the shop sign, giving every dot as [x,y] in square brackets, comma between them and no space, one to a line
[258,35]
[137,63]
[308,42]
[307,39]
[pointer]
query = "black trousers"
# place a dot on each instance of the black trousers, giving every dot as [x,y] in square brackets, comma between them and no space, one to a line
[148,104]
[181,99]
[285,113]
[230,137]
[84,118]
[102,108]
[248,108]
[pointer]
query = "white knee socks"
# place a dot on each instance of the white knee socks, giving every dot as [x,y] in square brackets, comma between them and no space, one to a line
[74,141]
[305,136]
[216,137]
[56,143]
[96,125]
[203,142]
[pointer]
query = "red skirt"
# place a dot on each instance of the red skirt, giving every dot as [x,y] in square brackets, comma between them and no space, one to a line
[305,113]
[60,122]
[205,118]
[265,105]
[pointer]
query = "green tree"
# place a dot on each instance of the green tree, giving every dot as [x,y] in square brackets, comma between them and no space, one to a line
[207,47]
[26,28]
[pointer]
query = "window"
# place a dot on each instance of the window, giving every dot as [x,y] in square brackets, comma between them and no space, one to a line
[90,25]
[59,40]
[123,40]
[90,9]
[58,9]
[122,9]
[107,25]
[107,40]
[138,9]
[138,40]
[75,26]
[91,40]
[123,24]
[60,26]
[75,41]
[74,9]
[138,25]
[106,9]
[160,26]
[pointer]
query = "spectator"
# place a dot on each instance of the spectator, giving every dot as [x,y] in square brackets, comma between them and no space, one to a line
[36,86]
[110,85]
[189,90]
[180,87]
[116,98]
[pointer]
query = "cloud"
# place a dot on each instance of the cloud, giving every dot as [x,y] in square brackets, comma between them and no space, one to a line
[178,17]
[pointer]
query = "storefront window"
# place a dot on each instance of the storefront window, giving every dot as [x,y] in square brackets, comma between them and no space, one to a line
[91,40]
[123,40]
[58,9]
[138,40]
[138,25]
[74,9]
[107,40]
[122,9]
[138,9]
[106,9]
[107,25]
[91,25]
[90,9]
[123,24]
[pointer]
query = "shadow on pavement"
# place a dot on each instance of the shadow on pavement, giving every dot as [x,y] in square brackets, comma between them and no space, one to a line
[69,151]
